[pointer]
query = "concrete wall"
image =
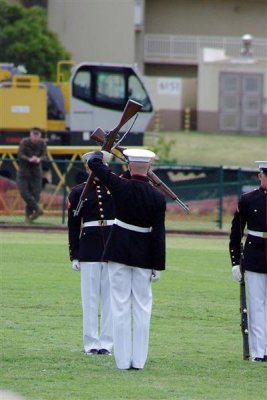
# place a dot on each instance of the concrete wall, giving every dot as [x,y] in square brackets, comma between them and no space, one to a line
[104,30]
[170,97]
[207,17]
[95,30]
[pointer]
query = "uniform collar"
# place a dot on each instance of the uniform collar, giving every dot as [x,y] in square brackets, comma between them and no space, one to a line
[263,190]
[140,178]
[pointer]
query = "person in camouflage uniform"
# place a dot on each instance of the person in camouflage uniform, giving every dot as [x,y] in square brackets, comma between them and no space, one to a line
[32,151]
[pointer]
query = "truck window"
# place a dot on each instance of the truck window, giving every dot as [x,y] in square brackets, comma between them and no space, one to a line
[138,93]
[82,85]
[110,88]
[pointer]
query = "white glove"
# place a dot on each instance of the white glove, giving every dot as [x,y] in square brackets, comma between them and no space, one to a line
[106,156]
[155,276]
[236,273]
[76,265]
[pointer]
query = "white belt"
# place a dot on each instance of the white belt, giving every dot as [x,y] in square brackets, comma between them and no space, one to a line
[258,234]
[132,227]
[103,222]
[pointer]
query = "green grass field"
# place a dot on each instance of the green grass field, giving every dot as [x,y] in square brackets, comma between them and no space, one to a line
[195,344]
[200,148]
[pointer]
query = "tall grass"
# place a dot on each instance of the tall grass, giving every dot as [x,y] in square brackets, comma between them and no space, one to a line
[195,343]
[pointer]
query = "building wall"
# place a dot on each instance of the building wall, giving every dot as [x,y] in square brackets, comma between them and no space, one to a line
[104,30]
[95,30]
[207,17]
[185,71]
[171,96]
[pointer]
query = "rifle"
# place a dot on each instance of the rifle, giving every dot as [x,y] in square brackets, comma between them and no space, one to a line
[243,309]
[165,189]
[99,136]
[131,108]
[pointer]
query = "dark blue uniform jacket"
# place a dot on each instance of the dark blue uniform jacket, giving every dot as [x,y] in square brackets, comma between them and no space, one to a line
[251,212]
[137,203]
[87,244]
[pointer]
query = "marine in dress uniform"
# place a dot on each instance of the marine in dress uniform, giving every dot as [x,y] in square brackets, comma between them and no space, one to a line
[32,151]
[88,233]
[135,247]
[252,214]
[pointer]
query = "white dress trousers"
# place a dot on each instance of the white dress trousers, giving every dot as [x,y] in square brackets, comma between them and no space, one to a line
[131,304]
[257,307]
[95,294]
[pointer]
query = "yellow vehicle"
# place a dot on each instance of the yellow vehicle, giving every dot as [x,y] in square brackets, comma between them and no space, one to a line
[68,110]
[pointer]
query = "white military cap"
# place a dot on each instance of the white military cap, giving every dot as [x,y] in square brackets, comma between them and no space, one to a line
[262,165]
[86,157]
[139,155]
[106,156]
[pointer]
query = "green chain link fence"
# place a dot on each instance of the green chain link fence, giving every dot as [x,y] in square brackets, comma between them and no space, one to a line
[211,192]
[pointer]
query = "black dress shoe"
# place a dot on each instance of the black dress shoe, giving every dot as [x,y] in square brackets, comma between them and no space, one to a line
[91,352]
[258,359]
[104,352]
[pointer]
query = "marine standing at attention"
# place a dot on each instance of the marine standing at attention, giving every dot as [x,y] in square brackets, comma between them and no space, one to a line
[88,233]
[252,213]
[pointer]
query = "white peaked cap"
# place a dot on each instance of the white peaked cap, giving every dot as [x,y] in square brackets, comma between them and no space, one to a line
[261,164]
[86,157]
[139,155]
[106,156]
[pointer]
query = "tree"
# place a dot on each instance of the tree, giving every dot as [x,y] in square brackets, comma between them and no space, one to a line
[26,40]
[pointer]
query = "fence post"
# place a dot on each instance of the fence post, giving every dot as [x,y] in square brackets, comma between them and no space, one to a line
[220,197]
[239,183]
[64,191]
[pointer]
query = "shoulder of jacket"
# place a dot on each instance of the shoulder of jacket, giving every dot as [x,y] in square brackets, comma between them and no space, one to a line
[249,196]
[250,193]
[158,193]
[78,187]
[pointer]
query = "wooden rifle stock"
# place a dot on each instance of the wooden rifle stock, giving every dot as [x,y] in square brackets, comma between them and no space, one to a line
[131,108]
[99,135]
[243,309]
[165,189]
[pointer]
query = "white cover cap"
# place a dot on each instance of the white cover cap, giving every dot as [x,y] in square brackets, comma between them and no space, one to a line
[139,155]
[262,165]
[106,156]
[86,157]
